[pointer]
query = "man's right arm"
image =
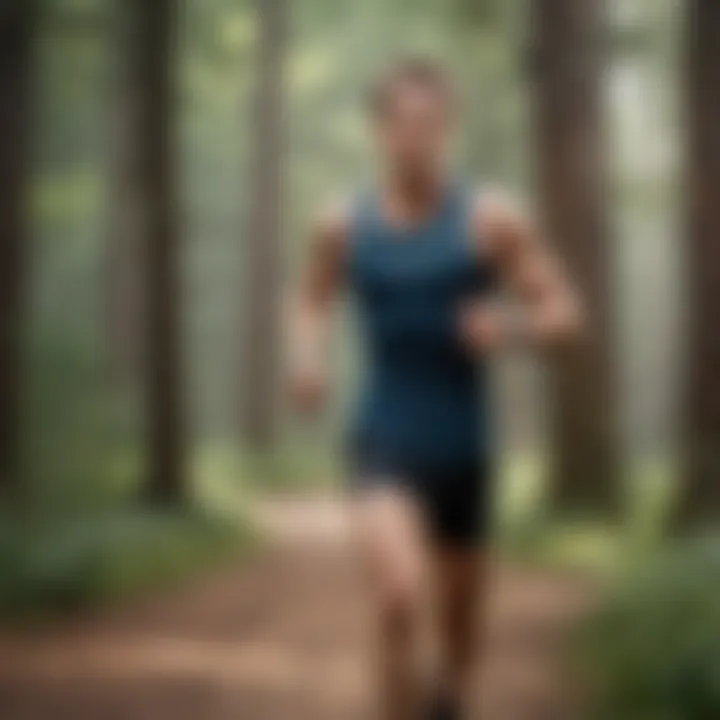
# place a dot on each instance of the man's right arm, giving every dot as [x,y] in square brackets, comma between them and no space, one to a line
[311,310]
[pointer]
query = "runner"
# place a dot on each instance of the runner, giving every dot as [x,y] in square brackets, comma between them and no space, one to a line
[424,257]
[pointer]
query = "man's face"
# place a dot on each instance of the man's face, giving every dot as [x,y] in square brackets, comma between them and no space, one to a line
[413,129]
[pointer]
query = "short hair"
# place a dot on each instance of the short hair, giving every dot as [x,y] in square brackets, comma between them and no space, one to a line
[418,71]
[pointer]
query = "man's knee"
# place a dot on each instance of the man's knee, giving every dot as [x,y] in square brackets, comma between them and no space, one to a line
[399,601]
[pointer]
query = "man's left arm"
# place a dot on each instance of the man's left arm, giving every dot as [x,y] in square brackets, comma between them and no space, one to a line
[548,309]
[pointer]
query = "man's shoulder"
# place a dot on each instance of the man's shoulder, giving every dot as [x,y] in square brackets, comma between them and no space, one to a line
[333,218]
[494,211]
[332,226]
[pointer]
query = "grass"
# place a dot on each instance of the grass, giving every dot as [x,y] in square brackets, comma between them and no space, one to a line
[63,561]
[93,561]
[529,532]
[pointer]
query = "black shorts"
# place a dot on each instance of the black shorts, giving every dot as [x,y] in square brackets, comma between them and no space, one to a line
[455,498]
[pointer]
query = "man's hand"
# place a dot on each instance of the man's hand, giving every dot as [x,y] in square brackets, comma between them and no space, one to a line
[482,329]
[487,327]
[308,388]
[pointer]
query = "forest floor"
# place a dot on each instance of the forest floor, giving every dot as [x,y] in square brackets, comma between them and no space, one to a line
[282,636]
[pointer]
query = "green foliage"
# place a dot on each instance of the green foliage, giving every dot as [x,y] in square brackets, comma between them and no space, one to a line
[477,12]
[653,649]
[47,571]
[83,449]
[293,468]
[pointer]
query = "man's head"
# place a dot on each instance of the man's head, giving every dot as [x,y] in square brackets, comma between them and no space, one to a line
[412,105]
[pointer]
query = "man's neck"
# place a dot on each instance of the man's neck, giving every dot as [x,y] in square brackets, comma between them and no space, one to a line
[415,192]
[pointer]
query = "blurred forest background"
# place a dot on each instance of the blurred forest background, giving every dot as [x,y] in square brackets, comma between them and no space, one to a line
[173,155]
[159,162]
[229,145]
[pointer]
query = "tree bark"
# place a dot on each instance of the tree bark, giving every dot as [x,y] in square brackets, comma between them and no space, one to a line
[17,32]
[264,233]
[700,492]
[568,63]
[156,108]
[124,268]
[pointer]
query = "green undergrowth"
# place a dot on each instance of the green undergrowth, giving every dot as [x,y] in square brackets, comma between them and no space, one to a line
[651,651]
[91,561]
[527,530]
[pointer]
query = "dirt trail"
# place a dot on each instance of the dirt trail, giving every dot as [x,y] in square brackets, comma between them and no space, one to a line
[280,637]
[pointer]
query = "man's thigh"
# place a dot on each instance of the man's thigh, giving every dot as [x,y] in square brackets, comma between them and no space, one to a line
[390,534]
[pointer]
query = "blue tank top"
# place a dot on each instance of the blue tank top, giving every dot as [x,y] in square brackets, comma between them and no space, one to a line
[425,400]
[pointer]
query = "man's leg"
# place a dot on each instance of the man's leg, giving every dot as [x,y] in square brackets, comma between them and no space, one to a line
[460,522]
[390,536]
[460,593]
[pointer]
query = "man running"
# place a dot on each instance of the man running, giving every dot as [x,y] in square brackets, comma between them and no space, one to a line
[424,257]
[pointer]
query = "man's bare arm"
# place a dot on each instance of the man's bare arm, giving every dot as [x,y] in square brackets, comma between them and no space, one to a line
[550,308]
[311,311]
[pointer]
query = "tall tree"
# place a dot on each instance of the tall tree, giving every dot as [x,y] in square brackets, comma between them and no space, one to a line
[124,268]
[568,62]
[157,174]
[18,22]
[700,501]
[264,230]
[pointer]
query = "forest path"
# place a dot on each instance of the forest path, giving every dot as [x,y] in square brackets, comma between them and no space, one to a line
[279,637]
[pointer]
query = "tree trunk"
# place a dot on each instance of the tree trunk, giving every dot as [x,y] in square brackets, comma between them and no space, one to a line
[157,175]
[700,499]
[17,30]
[263,239]
[571,174]
[124,268]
